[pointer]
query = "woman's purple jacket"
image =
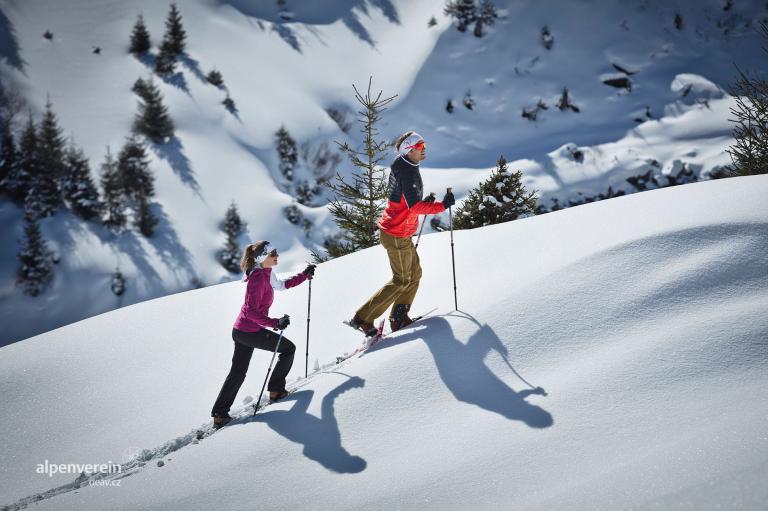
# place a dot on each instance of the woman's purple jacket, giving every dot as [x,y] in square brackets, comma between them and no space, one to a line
[254,314]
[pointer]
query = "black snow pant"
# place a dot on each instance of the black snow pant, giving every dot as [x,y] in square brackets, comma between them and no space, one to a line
[245,342]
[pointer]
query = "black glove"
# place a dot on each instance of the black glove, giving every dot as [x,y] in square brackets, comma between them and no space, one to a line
[449,200]
[429,198]
[310,271]
[283,322]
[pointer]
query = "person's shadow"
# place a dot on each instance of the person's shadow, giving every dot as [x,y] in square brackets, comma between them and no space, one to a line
[320,436]
[463,370]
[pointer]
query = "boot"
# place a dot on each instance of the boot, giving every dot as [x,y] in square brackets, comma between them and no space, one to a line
[277,395]
[221,420]
[367,328]
[398,318]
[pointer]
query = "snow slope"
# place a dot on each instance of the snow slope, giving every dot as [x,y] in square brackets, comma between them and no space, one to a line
[289,72]
[608,356]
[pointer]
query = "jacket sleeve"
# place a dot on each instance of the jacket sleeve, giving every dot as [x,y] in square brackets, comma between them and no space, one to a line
[256,296]
[281,285]
[427,208]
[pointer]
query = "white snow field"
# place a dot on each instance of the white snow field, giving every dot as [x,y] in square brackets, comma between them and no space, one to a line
[608,356]
[291,72]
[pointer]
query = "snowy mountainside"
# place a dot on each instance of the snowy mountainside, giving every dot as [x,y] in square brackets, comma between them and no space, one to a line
[601,358]
[292,70]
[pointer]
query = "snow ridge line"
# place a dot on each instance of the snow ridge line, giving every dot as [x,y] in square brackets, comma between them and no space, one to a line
[137,463]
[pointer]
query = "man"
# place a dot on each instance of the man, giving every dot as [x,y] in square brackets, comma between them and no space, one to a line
[397,224]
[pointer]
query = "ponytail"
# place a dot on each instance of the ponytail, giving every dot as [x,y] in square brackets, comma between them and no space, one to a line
[248,262]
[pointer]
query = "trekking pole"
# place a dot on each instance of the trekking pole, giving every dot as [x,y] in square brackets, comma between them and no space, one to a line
[256,407]
[309,308]
[453,259]
[422,226]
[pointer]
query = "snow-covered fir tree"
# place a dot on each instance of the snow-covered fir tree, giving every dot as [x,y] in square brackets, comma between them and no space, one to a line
[152,120]
[486,16]
[165,62]
[174,32]
[286,152]
[215,78]
[140,41]
[358,203]
[117,283]
[51,157]
[145,221]
[29,169]
[133,168]
[80,192]
[500,198]
[233,227]
[8,160]
[114,198]
[463,11]
[35,269]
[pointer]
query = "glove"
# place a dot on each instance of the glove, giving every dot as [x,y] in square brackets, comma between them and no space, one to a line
[449,200]
[429,198]
[283,322]
[310,271]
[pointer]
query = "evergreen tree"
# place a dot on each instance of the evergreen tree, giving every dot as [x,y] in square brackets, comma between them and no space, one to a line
[233,226]
[51,157]
[486,17]
[8,160]
[79,189]
[357,204]
[35,270]
[750,151]
[152,120]
[140,42]
[136,178]
[25,182]
[118,282]
[463,11]
[501,198]
[286,150]
[215,78]
[145,221]
[140,88]
[174,32]
[114,199]
[165,63]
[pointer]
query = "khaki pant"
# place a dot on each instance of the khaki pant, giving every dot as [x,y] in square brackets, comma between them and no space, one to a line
[406,274]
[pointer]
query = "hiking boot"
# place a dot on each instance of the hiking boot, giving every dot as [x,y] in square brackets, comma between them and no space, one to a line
[399,318]
[367,328]
[221,420]
[277,395]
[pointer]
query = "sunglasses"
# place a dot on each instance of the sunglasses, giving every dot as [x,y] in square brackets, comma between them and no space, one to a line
[418,146]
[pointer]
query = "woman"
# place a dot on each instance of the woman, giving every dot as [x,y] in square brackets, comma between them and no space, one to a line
[250,329]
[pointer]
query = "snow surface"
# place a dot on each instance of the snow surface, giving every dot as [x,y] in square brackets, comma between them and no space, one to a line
[289,73]
[609,356]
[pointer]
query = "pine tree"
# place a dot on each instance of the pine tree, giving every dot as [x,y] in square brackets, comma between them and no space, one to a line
[165,63]
[286,150]
[152,120]
[9,161]
[51,157]
[35,270]
[145,221]
[463,11]
[233,226]
[215,78]
[114,198]
[174,32]
[26,179]
[357,204]
[118,282]
[79,189]
[140,42]
[140,88]
[501,198]
[136,178]
[486,17]
[749,153]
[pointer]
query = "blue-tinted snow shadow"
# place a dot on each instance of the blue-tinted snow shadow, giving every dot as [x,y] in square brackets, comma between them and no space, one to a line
[176,79]
[463,370]
[320,437]
[194,66]
[173,152]
[315,13]
[9,45]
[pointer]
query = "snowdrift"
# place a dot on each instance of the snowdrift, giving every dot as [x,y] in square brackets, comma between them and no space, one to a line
[611,355]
